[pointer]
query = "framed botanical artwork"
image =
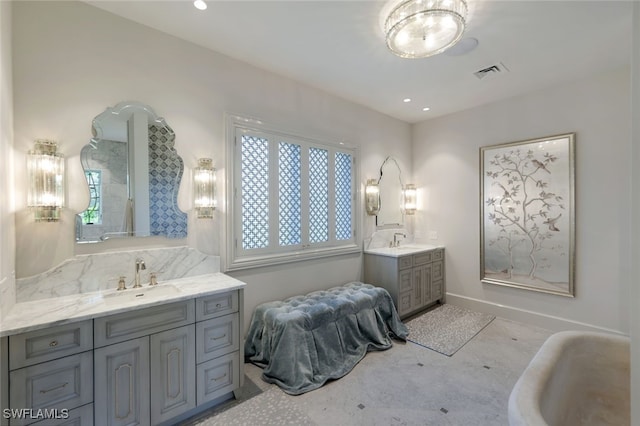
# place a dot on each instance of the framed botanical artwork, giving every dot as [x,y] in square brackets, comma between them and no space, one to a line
[527,224]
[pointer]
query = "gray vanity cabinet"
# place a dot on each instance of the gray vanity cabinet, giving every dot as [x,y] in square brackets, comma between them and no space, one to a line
[415,281]
[147,366]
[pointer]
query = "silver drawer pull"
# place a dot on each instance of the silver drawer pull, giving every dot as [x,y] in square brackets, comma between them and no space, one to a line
[218,306]
[219,337]
[215,379]
[56,388]
[53,343]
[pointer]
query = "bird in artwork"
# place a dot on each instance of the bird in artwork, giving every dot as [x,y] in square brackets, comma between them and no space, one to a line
[552,223]
[540,165]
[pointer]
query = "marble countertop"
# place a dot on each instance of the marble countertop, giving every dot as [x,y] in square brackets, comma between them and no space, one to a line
[401,250]
[37,314]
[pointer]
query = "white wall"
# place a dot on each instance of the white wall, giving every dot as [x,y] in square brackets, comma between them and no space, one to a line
[7,234]
[634,300]
[72,60]
[446,164]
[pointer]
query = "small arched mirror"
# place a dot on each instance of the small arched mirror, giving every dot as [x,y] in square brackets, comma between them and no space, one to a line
[133,172]
[390,186]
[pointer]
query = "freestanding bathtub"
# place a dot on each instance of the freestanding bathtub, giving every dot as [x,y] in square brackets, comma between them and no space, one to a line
[576,378]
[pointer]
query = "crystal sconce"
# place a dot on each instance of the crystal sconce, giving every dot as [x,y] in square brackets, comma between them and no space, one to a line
[372,197]
[409,199]
[204,184]
[45,169]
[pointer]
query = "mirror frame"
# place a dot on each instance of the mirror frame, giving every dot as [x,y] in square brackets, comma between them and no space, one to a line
[173,223]
[400,215]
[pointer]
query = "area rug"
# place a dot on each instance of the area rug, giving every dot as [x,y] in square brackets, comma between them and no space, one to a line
[446,328]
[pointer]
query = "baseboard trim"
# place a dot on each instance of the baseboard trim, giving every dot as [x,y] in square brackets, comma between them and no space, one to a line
[550,322]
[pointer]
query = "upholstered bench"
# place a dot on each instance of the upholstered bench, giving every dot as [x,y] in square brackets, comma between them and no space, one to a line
[304,341]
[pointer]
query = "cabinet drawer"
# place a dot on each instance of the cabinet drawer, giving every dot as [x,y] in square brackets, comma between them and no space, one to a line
[141,322]
[216,305]
[405,301]
[438,254]
[437,289]
[217,377]
[81,416]
[422,258]
[437,270]
[51,343]
[405,262]
[62,383]
[405,281]
[216,337]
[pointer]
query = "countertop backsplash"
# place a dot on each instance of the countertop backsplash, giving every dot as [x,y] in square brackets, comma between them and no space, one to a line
[382,237]
[96,272]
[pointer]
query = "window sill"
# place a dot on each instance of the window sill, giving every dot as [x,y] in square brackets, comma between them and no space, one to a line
[298,256]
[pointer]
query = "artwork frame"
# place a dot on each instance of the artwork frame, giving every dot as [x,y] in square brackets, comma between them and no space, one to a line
[527,214]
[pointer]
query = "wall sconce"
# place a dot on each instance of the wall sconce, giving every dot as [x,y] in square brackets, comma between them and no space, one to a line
[204,187]
[409,197]
[372,197]
[45,170]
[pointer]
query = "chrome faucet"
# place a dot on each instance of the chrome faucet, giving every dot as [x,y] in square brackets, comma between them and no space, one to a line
[139,266]
[396,243]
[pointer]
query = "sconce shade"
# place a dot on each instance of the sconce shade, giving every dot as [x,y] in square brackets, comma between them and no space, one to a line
[45,169]
[409,199]
[372,197]
[204,179]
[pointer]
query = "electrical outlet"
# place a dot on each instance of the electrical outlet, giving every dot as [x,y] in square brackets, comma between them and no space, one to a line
[433,235]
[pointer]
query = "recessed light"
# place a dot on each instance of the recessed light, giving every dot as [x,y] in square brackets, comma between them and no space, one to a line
[405,100]
[426,109]
[200,4]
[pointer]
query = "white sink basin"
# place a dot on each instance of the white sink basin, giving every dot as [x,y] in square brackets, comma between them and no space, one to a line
[140,294]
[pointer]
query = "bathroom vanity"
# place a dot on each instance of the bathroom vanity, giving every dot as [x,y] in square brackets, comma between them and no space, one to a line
[147,356]
[413,274]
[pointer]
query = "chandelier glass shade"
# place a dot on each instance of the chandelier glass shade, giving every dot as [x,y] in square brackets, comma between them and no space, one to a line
[423,28]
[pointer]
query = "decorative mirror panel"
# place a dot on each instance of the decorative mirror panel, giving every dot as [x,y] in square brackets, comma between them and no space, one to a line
[133,172]
[390,185]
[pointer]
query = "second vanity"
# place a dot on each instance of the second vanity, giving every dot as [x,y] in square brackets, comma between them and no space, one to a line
[146,356]
[413,275]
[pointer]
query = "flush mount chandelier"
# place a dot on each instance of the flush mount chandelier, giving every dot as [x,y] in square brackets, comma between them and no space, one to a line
[423,28]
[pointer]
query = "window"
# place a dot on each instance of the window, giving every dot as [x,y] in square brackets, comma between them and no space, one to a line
[291,198]
[93,214]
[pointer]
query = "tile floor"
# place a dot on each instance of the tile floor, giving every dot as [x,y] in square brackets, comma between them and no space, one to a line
[405,385]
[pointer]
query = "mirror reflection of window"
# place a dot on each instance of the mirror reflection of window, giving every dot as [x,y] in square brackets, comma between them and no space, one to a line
[93,214]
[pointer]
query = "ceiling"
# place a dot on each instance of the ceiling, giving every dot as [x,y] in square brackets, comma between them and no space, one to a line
[338,46]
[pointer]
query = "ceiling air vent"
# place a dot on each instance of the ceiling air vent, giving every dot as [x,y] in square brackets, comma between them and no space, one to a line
[493,69]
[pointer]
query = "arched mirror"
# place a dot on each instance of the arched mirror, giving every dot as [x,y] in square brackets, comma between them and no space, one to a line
[390,186]
[133,172]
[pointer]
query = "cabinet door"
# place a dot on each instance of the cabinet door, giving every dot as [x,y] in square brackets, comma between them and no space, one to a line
[427,295]
[419,280]
[173,367]
[122,383]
